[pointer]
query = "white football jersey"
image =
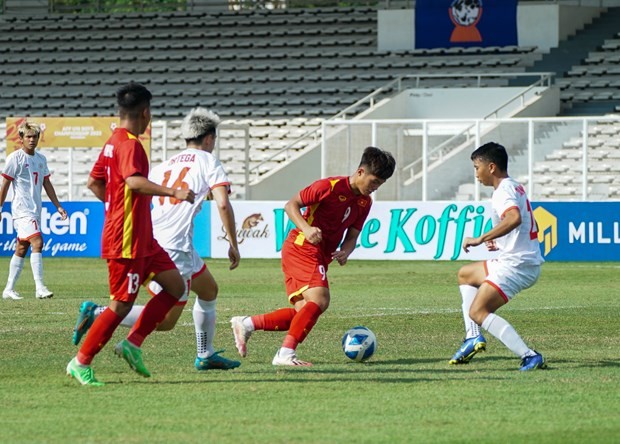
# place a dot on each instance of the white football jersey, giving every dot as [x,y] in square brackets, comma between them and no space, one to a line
[27,173]
[520,246]
[173,220]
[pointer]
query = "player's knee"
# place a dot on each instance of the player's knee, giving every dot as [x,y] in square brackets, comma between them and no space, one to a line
[462,276]
[178,288]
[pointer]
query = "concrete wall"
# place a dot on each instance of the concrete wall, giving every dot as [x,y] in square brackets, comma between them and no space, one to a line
[462,103]
[542,25]
[284,183]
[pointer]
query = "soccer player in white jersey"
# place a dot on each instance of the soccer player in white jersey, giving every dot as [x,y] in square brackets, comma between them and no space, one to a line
[487,285]
[173,226]
[27,170]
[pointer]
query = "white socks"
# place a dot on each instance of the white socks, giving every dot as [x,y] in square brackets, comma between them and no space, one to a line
[248,324]
[15,269]
[36,263]
[469,293]
[132,316]
[204,324]
[506,333]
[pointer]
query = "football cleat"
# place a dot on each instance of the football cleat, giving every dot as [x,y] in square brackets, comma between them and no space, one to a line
[469,348]
[533,362]
[43,293]
[241,333]
[84,375]
[133,356]
[289,360]
[85,319]
[11,294]
[215,362]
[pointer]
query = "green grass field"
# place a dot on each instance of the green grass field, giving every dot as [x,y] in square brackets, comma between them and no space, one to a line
[407,392]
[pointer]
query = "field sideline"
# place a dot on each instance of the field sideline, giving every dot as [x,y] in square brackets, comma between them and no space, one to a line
[407,393]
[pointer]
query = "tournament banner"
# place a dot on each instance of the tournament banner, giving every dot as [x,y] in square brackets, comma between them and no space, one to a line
[69,132]
[77,236]
[449,23]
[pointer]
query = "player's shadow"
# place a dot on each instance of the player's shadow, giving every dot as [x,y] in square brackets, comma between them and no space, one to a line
[605,363]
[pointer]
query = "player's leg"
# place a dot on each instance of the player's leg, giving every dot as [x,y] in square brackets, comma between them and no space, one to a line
[102,329]
[315,301]
[493,294]
[470,277]
[36,263]
[204,314]
[89,312]
[174,288]
[15,269]
[243,326]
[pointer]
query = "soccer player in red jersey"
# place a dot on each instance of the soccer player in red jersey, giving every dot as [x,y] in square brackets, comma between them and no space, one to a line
[335,208]
[119,178]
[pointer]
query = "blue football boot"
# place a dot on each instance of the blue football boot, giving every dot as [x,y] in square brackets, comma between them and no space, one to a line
[85,319]
[533,362]
[215,362]
[469,348]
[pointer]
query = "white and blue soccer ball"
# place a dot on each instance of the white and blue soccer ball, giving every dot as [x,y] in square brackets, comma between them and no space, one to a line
[359,343]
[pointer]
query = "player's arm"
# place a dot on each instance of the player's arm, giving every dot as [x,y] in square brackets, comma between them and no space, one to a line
[140,184]
[51,193]
[293,211]
[510,221]
[227,216]
[97,186]
[4,190]
[347,246]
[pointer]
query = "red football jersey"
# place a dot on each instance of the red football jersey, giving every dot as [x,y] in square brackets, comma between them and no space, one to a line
[127,230]
[331,206]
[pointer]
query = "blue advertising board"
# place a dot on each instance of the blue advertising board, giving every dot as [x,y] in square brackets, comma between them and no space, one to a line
[579,231]
[448,23]
[77,236]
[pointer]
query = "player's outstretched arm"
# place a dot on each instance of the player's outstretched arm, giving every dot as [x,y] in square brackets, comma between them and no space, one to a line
[510,221]
[51,193]
[142,185]
[227,216]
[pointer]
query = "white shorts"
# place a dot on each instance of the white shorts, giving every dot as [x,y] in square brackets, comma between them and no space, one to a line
[189,264]
[508,279]
[27,228]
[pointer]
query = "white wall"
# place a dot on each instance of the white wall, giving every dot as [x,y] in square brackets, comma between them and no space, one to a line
[459,103]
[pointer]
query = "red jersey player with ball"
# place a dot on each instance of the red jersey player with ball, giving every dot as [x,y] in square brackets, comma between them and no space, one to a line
[335,211]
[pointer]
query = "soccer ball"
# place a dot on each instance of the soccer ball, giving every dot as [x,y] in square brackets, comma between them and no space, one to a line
[359,343]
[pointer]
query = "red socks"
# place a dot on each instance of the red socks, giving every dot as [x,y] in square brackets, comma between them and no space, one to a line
[279,320]
[154,312]
[99,334]
[301,325]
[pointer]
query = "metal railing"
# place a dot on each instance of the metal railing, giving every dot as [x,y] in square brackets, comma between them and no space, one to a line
[443,149]
[311,138]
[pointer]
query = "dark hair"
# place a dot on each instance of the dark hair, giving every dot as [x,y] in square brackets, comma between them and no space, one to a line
[132,99]
[493,153]
[378,162]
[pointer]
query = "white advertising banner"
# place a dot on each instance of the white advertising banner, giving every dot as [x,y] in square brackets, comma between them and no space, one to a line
[394,230]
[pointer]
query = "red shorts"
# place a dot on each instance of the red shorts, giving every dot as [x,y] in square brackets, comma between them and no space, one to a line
[303,268]
[127,275]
